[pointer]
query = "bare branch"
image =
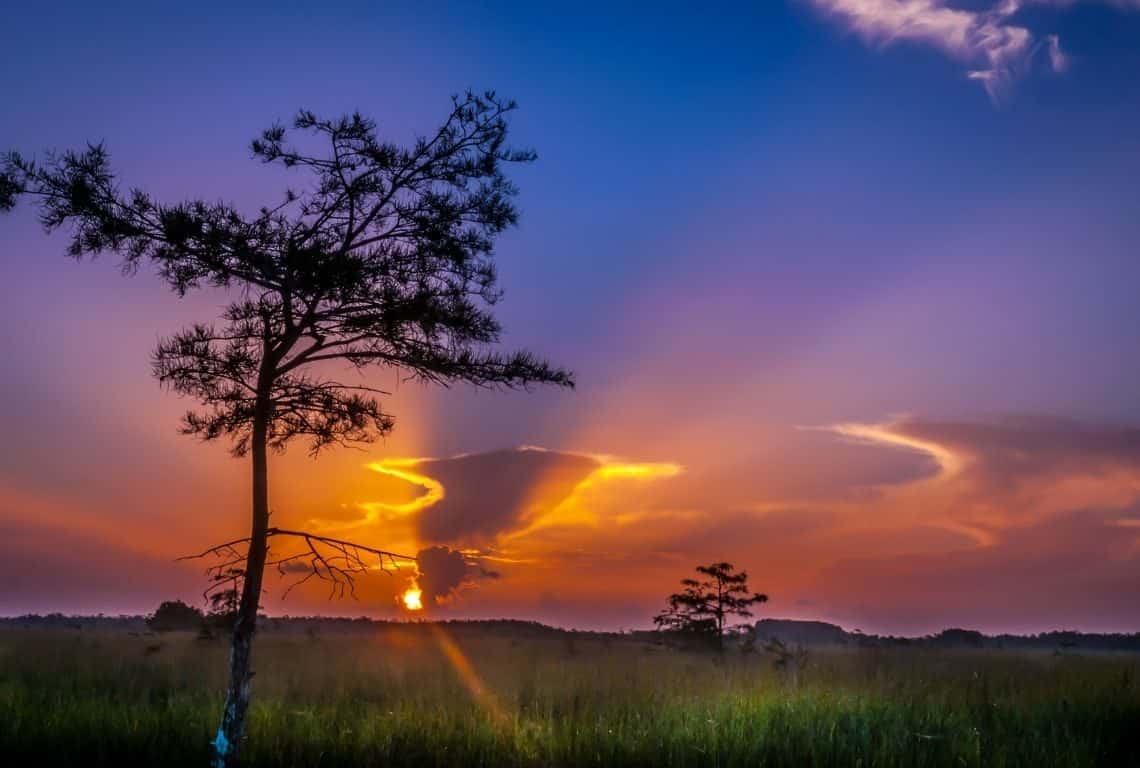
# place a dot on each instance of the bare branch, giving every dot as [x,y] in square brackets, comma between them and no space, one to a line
[336,561]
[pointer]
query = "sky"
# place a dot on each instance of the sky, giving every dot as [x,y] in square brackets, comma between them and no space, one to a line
[848,287]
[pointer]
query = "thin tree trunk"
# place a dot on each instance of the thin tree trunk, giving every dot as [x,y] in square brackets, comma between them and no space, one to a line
[231,732]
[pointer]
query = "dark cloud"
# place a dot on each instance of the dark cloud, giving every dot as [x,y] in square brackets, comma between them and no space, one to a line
[1016,448]
[294,567]
[489,493]
[444,571]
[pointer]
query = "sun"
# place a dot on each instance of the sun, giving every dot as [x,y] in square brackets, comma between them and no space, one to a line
[413,599]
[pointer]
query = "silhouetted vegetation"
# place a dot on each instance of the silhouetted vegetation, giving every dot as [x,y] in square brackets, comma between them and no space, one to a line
[383,258]
[702,610]
[175,615]
[360,692]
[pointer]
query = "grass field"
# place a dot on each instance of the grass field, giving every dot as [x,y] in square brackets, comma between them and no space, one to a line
[425,695]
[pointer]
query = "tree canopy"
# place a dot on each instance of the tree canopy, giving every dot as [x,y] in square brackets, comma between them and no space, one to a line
[705,606]
[383,258]
[174,615]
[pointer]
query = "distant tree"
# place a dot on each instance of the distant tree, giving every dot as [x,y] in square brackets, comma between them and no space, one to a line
[384,258]
[175,615]
[705,606]
[959,638]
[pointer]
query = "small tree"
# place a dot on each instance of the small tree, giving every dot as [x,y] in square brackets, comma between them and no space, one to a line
[174,615]
[704,607]
[385,258]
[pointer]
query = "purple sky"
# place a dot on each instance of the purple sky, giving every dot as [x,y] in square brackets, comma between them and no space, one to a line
[840,311]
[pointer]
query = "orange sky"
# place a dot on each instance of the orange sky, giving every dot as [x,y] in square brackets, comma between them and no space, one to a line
[902,525]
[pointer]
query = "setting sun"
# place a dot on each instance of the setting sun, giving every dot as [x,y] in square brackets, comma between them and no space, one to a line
[412,601]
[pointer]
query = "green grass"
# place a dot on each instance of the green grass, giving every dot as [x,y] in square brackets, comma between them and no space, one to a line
[394,697]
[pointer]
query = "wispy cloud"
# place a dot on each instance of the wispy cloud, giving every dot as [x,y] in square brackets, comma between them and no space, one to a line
[999,475]
[996,47]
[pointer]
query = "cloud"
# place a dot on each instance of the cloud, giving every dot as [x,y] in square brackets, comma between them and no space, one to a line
[444,571]
[469,499]
[997,48]
[487,494]
[294,567]
[1008,472]
[1014,5]
[527,509]
[475,500]
[1013,450]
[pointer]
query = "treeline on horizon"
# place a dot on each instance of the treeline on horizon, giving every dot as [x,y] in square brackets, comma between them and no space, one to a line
[790,631]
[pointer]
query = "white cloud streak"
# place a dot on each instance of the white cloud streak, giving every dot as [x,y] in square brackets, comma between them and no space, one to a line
[996,48]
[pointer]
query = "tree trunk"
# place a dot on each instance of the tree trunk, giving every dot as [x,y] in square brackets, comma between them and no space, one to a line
[231,732]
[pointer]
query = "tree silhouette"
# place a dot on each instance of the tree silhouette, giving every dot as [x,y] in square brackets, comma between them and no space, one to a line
[704,607]
[385,258]
[174,615]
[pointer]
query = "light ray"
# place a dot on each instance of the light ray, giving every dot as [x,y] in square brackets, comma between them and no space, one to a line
[466,672]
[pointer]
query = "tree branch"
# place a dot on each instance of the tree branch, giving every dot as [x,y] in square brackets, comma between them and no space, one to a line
[337,561]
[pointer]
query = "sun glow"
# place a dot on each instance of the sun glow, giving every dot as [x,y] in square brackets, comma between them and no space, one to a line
[413,599]
[574,510]
[379,511]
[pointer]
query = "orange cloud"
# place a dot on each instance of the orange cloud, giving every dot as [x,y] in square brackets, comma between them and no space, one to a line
[481,500]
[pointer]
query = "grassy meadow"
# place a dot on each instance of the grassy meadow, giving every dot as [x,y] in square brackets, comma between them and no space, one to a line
[456,695]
